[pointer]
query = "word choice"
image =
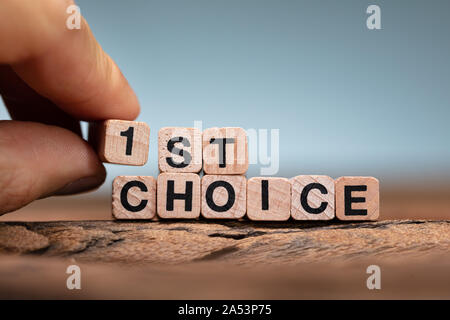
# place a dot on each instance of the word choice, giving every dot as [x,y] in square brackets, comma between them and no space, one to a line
[223,192]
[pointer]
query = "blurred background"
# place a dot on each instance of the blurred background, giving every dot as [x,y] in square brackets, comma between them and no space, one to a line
[347,100]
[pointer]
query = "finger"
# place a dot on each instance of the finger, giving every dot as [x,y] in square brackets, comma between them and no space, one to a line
[39,160]
[65,66]
[24,104]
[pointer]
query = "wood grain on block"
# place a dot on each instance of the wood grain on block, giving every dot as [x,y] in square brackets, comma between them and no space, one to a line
[223,196]
[121,142]
[225,151]
[134,197]
[268,199]
[178,195]
[357,198]
[180,149]
[312,198]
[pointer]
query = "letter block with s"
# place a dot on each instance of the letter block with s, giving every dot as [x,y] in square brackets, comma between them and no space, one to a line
[179,150]
[134,197]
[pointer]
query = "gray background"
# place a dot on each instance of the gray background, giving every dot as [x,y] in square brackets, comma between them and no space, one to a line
[347,100]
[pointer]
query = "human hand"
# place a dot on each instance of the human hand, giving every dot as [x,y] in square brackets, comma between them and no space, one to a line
[50,79]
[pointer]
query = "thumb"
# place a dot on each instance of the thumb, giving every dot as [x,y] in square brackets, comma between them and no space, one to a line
[38,160]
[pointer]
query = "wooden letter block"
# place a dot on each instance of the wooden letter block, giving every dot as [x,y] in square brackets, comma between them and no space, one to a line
[180,150]
[225,151]
[224,196]
[134,197]
[268,199]
[121,142]
[312,198]
[357,198]
[178,195]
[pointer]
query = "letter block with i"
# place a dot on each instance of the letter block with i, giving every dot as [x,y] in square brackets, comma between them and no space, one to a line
[225,151]
[357,198]
[178,195]
[121,142]
[134,197]
[268,199]
[179,150]
[312,198]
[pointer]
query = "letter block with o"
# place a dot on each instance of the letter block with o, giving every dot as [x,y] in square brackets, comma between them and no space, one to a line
[224,196]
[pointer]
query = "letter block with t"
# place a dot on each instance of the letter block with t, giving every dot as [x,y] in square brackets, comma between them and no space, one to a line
[121,142]
[225,151]
[134,197]
[312,198]
[357,198]
[224,196]
[268,199]
[178,195]
[180,150]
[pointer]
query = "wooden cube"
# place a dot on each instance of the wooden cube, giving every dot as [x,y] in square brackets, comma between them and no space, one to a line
[121,142]
[223,196]
[180,150]
[312,198]
[225,151]
[134,197]
[178,195]
[357,198]
[268,199]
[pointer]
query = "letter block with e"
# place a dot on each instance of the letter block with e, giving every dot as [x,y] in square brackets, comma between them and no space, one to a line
[180,150]
[357,198]
[134,197]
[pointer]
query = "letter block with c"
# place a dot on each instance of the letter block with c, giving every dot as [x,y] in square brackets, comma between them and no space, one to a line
[134,197]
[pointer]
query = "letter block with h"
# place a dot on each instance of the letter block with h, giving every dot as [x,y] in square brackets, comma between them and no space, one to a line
[178,195]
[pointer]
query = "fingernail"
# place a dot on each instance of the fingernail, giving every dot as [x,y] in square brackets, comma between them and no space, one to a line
[81,185]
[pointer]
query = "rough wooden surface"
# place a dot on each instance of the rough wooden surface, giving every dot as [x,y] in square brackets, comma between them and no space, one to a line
[226,259]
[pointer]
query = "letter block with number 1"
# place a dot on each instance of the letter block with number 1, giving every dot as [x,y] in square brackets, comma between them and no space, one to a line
[121,142]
